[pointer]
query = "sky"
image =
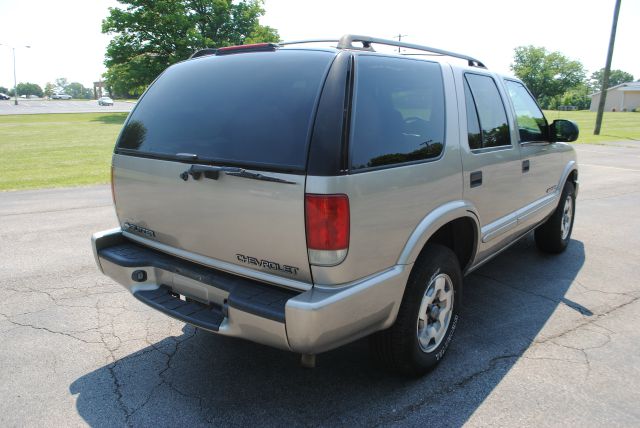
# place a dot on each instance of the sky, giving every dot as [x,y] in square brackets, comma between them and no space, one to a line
[66,40]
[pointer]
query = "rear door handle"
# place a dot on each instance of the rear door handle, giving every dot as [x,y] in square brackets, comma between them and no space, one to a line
[475,179]
[525,165]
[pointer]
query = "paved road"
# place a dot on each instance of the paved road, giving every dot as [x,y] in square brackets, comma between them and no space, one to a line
[61,106]
[544,340]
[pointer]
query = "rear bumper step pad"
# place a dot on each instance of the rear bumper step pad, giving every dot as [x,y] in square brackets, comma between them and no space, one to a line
[264,300]
[204,316]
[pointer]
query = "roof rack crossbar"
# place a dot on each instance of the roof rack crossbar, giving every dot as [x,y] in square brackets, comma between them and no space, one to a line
[346,42]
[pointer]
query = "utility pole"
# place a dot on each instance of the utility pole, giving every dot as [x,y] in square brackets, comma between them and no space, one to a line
[607,70]
[400,36]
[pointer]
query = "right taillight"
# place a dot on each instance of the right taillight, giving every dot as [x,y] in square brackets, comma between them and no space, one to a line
[327,224]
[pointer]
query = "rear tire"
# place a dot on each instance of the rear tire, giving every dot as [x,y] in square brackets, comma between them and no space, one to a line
[553,235]
[428,315]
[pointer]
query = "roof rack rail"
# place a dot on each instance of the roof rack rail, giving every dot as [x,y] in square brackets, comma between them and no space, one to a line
[226,50]
[203,52]
[346,42]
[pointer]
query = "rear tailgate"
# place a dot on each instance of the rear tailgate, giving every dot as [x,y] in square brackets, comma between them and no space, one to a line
[250,111]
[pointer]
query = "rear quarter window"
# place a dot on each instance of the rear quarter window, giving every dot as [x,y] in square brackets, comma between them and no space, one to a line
[398,112]
[243,109]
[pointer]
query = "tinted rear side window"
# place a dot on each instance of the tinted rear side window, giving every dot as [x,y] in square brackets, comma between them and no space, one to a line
[491,112]
[473,125]
[246,109]
[398,112]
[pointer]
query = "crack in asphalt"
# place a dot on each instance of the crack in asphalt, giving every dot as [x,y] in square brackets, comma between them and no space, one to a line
[493,362]
[407,410]
[128,412]
[163,380]
[595,290]
[48,330]
[575,306]
[589,321]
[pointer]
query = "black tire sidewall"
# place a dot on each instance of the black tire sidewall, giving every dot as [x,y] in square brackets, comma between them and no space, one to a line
[549,235]
[434,261]
[569,190]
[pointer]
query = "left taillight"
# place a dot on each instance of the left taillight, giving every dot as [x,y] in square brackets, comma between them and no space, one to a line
[328,226]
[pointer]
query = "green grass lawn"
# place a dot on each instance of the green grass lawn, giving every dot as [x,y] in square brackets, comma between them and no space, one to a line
[56,150]
[618,126]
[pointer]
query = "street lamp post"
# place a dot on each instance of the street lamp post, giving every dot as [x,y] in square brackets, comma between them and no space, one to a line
[15,80]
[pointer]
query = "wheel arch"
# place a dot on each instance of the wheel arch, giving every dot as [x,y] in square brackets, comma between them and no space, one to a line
[454,225]
[570,173]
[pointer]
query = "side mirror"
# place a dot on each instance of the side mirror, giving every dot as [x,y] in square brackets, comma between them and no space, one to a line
[564,131]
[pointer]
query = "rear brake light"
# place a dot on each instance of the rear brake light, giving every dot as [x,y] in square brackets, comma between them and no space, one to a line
[327,225]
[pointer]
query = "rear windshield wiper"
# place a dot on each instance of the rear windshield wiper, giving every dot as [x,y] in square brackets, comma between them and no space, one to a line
[256,176]
[213,172]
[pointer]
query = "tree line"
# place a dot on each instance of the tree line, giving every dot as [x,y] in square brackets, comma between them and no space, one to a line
[556,80]
[60,86]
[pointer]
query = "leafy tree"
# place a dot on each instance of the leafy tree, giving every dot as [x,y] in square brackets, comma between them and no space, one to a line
[546,74]
[150,35]
[61,84]
[75,89]
[616,77]
[578,96]
[49,89]
[29,89]
[3,90]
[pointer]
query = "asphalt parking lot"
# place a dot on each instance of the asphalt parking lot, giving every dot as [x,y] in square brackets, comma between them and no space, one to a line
[543,340]
[41,106]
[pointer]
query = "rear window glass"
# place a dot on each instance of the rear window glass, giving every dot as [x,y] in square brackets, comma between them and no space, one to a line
[246,109]
[398,112]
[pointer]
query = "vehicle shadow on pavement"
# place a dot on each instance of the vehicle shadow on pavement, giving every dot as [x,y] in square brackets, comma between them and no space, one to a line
[199,378]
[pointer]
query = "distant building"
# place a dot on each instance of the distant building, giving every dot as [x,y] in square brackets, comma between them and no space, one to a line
[624,97]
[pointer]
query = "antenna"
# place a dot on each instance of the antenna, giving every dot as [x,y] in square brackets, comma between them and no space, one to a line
[400,36]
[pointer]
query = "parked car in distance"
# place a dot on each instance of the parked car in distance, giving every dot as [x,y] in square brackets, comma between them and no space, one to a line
[4,96]
[339,193]
[105,101]
[60,97]
[33,97]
